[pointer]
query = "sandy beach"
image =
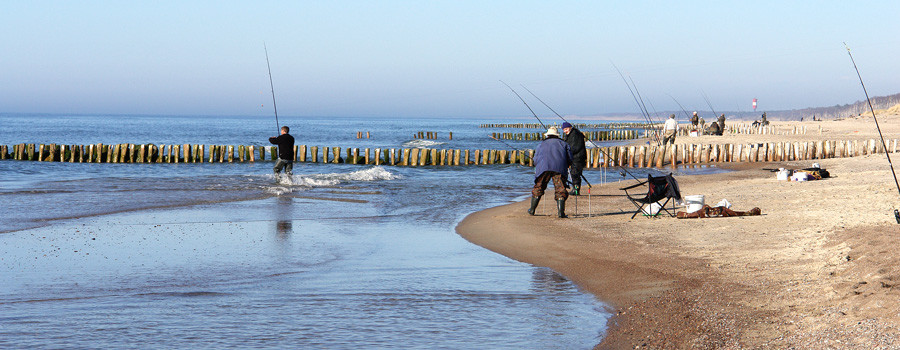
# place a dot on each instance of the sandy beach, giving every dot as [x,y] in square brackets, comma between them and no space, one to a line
[815,271]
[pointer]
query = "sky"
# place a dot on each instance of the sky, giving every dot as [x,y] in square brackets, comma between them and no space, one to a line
[439,58]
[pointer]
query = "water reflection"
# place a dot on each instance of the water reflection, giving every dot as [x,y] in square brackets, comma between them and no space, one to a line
[547,280]
[283,221]
[284,228]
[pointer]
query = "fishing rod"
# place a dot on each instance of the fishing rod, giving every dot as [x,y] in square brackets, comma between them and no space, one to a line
[872,109]
[277,125]
[629,89]
[564,119]
[646,117]
[708,103]
[643,106]
[686,114]
[545,104]
[646,111]
[560,117]
[526,104]
[598,148]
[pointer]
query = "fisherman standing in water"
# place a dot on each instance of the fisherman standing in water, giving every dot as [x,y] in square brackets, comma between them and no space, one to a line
[575,139]
[552,159]
[285,144]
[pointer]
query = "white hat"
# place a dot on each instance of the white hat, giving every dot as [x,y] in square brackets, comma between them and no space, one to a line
[552,131]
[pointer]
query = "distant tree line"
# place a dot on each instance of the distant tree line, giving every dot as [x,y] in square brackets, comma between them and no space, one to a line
[837,111]
[833,112]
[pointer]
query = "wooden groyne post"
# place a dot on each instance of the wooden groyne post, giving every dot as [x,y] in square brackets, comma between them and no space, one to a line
[631,156]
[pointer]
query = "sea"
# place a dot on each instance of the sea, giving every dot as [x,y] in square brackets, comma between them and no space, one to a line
[226,255]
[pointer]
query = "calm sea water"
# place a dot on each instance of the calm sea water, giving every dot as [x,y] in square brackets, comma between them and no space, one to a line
[223,256]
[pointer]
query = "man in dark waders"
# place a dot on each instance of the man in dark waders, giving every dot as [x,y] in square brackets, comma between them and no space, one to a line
[552,159]
[285,144]
[575,139]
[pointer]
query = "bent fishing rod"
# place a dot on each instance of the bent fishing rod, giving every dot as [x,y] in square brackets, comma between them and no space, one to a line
[526,104]
[598,148]
[277,125]
[872,109]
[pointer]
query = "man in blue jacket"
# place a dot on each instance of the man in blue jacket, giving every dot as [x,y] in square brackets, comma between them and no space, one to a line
[552,159]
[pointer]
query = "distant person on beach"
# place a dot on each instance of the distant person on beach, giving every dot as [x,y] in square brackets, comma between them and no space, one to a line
[670,129]
[721,124]
[695,120]
[285,144]
[575,139]
[761,122]
[552,159]
[714,129]
[702,124]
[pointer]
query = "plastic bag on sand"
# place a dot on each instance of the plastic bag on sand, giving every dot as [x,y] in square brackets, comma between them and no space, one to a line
[724,203]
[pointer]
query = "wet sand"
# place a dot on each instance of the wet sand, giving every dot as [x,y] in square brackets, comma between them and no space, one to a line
[816,270]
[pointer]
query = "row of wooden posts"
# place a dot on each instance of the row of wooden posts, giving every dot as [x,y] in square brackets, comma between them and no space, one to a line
[577,125]
[631,156]
[188,153]
[685,154]
[429,135]
[607,135]
[747,129]
[359,134]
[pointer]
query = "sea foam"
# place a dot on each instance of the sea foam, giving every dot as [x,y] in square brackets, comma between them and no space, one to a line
[319,180]
[421,144]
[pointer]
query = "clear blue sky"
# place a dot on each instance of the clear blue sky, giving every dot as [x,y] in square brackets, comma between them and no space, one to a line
[438,58]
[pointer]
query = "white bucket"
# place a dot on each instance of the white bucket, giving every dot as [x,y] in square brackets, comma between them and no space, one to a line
[651,209]
[693,203]
[799,176]
[694,133]
[783,174]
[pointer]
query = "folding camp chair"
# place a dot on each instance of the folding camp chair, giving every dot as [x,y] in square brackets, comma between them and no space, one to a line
[658,188]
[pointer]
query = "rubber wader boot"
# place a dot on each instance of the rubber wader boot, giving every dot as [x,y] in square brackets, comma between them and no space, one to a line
[561,205]
[534,203]
[576,191]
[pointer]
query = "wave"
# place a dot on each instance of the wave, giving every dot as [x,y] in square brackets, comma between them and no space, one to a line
[421,144]
[333,179]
